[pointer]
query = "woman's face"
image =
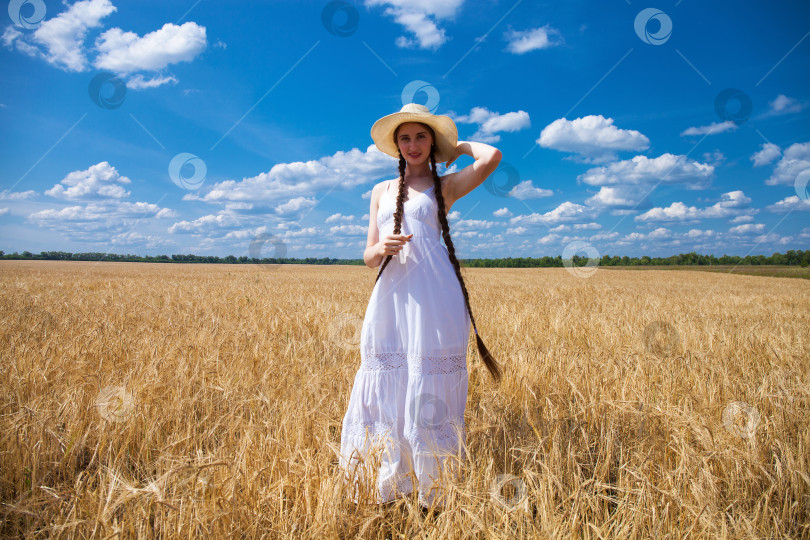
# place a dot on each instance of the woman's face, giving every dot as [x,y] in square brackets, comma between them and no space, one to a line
[414,140]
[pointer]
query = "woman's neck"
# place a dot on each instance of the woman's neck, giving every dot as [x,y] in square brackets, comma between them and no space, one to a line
[415,173]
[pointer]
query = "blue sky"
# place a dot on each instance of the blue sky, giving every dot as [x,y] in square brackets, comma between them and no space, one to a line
[197,127]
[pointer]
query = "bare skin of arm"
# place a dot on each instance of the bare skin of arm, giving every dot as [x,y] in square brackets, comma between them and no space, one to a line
[377,249]
[458,184]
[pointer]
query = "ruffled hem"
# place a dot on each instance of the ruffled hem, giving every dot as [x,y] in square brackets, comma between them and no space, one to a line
[413,429]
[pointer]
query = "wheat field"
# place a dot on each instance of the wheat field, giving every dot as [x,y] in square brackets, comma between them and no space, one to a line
[188,401]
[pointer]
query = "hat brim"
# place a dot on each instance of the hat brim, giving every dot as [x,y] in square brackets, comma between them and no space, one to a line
[443,126]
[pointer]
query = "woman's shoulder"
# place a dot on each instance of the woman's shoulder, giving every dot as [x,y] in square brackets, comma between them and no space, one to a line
[378,189]
[381,185]
[391,183]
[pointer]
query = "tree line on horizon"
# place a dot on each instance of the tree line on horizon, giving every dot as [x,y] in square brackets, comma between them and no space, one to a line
[789,258]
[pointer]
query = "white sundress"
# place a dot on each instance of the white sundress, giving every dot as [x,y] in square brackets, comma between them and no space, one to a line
[410,391]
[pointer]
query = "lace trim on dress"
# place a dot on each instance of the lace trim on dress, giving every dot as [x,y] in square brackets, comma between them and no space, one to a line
[416,364]
[377,429]
[392,489]
[442,434]
[384,361]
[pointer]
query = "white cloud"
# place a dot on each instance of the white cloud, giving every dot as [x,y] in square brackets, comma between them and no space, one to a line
[62,36]
[730,204]
[106,214]
[795,159]
[549,239]
[661,233]
[208,222]
[748,228]
[125,52]
[7,195]
[526,190]
[490,123]
[339,217]
[616,196]
[105,218]
[296,205]
[419,17]
[593,137]
[576,226]
[138,82]
[304,232]
[13,38]
[566,212]
[343,170]
[633,237]
[236,206]
[60,41]
[697,233]
[474,224]
[523,41]
[789,204]
[696,239]
[666,169]
[132,238]
[587,226]
[251,233]
[769,238]
[711,129]
[716,157]
[99,180]
[731,200]
[604,236]
[742,219]
[4,211]
[502,212]
[212,225]
[783,105]
[767,153]
[348,230]
[516,230]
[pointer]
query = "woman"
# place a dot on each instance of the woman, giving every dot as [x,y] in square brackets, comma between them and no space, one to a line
[410,392]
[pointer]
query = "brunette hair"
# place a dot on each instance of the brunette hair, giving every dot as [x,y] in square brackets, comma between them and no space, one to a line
[489,361]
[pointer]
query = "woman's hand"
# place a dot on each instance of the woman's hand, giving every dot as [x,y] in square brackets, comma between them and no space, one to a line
[392,244]
[462,149]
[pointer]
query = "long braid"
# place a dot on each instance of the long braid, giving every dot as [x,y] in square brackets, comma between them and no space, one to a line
[483,352]
[398,213]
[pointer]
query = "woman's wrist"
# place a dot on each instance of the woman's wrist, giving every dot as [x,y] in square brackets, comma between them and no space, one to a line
[371,256]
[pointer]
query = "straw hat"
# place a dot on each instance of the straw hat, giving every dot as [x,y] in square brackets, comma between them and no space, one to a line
[446,138]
